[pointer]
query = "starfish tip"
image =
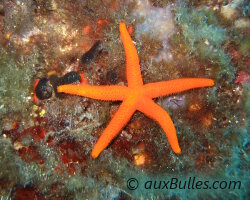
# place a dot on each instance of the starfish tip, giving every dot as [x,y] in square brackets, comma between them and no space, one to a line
[178,150]
[122,25]
[211,82]
[94,155]
[59,89]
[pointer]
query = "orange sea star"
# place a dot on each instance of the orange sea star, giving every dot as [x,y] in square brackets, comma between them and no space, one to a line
[136,96]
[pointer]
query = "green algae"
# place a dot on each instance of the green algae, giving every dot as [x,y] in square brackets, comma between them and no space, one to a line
[204,37]
[244,48]
[15,85]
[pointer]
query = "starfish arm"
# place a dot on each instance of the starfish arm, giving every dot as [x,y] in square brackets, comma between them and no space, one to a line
[134,77]
[120,119]
[107,93]
[152,110]
[153,90]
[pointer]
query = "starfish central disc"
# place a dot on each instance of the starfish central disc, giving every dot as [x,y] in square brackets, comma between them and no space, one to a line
[136,96]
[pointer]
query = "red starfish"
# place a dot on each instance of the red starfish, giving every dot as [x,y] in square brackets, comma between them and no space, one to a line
[136,96]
